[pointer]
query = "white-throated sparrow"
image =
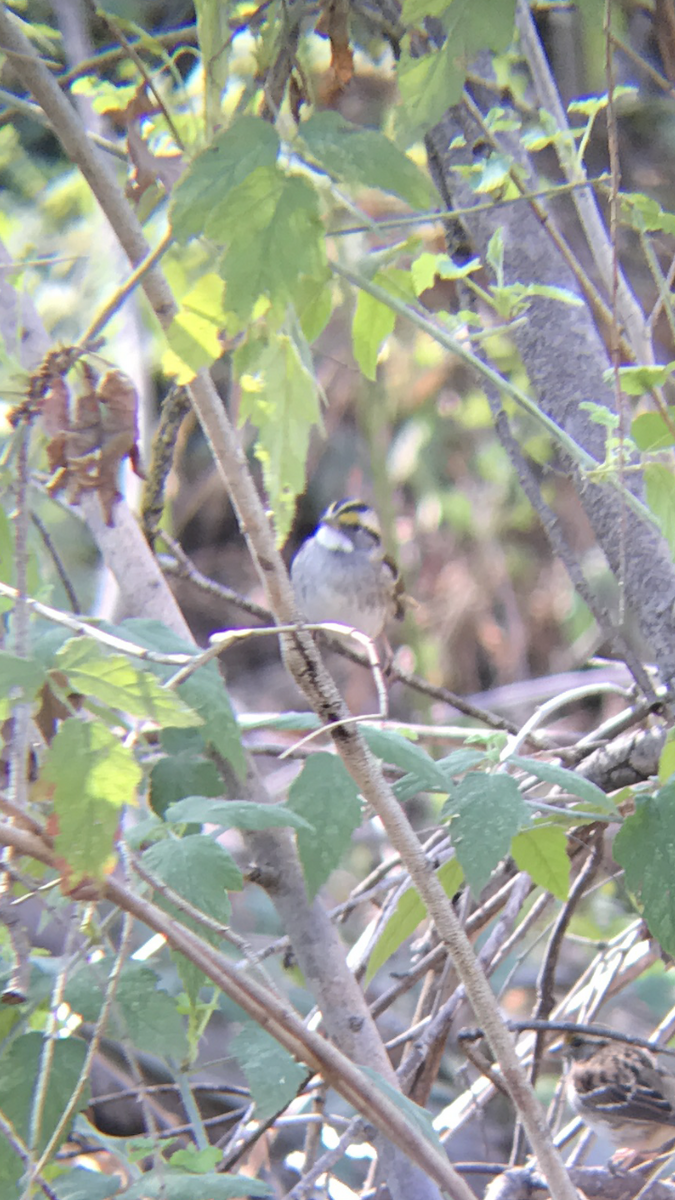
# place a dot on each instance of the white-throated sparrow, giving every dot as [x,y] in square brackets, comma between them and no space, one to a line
[341,572]
[621,1092]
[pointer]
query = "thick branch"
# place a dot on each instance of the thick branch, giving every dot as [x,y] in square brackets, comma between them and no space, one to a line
[565,360]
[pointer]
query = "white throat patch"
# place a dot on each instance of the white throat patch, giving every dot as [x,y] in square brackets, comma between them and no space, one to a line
[333,539]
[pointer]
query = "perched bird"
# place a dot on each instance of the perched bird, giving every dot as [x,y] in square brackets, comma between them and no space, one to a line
[341,572]
[620,1092]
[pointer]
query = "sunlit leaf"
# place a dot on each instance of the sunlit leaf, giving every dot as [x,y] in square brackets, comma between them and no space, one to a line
[93,777]
[408,914]
[118,682]
[273,232]
[281,398]
[542,852]
[249,143]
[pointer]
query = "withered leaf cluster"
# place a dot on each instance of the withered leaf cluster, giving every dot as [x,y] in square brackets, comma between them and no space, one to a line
[91,430]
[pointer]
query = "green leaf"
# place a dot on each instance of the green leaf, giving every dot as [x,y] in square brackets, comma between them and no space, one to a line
[667,759]
[19,1065]
[174,777]
[202,872]
[20,681]
[416,1116]
[429,85]
[645,214]
[414,12]
[645,848]
[7,564]
[195,335]
[81,1184]
[408,914]
[249,143]
[197,1162]
[313,305]
[203,691]
[178,1185]
[459,761]
[363,156]
[325,795]
[398,750]
[542,852]
[426,268]
[272,1074]
[432,83]
[660,496]
[372,324]
[568,780]
[94,776]
[142,1012]
[233,814]
[281,399]
[650,432]
[116,681]
[636,381]
[485,812]
[274,236]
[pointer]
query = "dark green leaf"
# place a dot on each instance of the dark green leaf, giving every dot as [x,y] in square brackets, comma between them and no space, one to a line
[645,848]
[485,812]
[433,82]
[142,1012]
[249,143]
[178,1185]
[416,1116]
[201,872]
[363,156]
[460,761]
[568,781]
[660,494]
[398,750]
[273,1076]
[172,778]
[233,814]
[327,797]
[81,1184]
[18,1074]
[20,679]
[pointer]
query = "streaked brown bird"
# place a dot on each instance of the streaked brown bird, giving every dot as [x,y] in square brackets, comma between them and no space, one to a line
[621,1092]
